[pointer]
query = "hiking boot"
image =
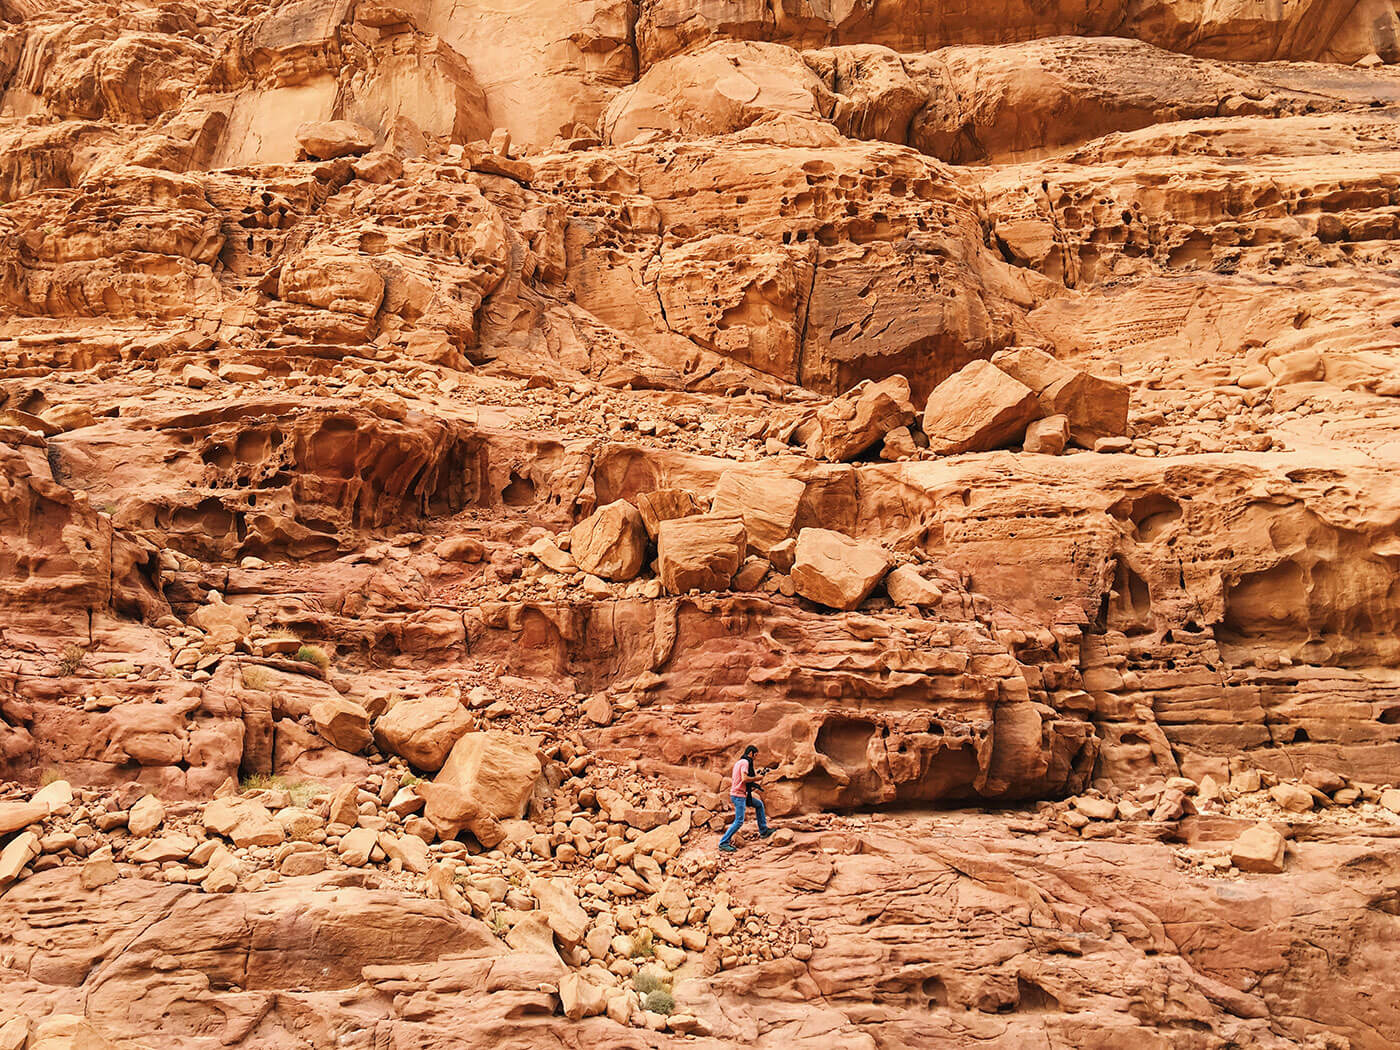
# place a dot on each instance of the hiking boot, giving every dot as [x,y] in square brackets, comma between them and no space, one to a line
[767,832]
[728,848]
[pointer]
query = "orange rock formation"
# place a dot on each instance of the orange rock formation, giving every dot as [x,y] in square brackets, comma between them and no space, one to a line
[436,438]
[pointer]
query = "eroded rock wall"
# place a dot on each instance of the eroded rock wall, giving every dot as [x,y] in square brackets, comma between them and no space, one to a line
[435,438]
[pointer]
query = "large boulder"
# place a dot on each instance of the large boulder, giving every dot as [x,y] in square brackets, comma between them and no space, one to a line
[1096,407]
[147,814]
[223,623]
[17,815]
[766,496]
[580,997]
[834,570]
[243,822]
[611,542]
[452,811]
[1048,436]
[978,408]
[699,553]
[907,586]
[423,730]
[54,795]
[1292,797]
[863,416]
[664,504]
[332,278]
[545,551]
[356,846]
[561,909]
[343,722]
[488,777]
[530,935]
[1259,849]
[18,852]
[329,139]
[408,850]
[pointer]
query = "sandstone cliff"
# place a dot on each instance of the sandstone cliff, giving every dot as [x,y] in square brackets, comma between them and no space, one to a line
[435,438]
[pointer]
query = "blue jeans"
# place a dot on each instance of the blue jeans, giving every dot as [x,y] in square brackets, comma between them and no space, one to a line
[740,804]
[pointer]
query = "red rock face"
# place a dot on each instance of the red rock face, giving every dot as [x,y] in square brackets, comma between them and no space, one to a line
[987,411]
[1313,30]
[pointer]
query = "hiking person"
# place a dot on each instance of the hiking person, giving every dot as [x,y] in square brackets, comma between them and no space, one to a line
[743,782]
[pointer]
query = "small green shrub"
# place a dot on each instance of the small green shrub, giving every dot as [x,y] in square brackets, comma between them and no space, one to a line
[262,782]
[647,982]
[659,1001]
[641,944]
[499,926]
[409,779]
[70,658]
[257,678]
[300,791]
[283,633]
[314,654]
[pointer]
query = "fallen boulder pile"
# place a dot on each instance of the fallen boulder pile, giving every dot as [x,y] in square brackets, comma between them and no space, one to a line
[1020,397]
[1264,806]
[738,543]
[601,873]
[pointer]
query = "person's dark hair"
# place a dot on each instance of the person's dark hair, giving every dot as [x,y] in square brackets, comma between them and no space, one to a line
[750,750]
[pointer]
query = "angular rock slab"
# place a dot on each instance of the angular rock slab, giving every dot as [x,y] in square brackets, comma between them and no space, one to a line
[488,777]
[423,729]
[834,570]
[977,409]
[699,553]
[611,542]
